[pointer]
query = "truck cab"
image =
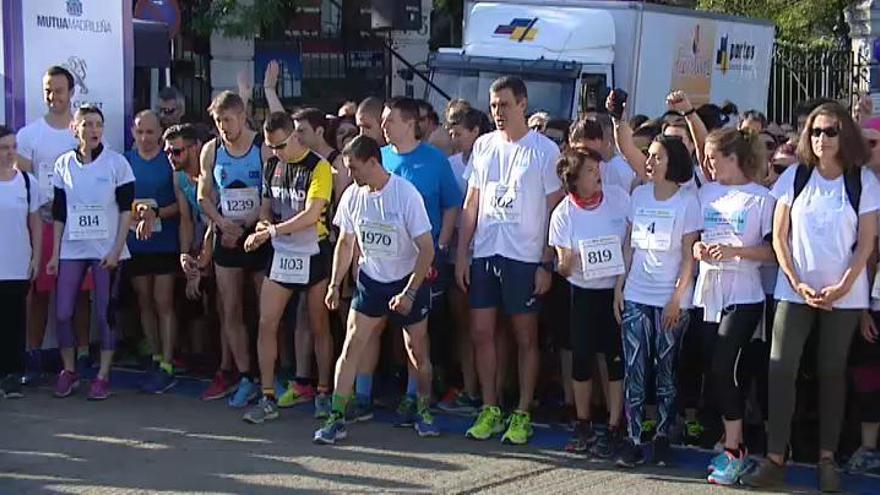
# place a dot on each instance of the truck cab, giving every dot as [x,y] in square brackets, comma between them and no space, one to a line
[565,56]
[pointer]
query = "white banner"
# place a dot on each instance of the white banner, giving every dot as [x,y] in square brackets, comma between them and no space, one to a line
[92,39]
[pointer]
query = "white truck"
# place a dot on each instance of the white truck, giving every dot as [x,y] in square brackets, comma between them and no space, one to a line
[570,52]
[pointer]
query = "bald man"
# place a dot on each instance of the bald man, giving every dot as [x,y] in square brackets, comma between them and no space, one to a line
[154,243]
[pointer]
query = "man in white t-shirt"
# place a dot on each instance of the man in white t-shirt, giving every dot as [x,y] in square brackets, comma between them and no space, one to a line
[592,135]
[511,193]
[40,143]
[385,216]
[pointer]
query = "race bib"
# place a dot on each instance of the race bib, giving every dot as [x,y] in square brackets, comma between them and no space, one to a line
[239,204]
[652,228]
[379,239]
[45,173]
[87,223]
[505,204]
[157,224]
[601,257]
[721,235]
[289,267]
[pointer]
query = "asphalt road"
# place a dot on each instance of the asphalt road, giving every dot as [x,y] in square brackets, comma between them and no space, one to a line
[135,443]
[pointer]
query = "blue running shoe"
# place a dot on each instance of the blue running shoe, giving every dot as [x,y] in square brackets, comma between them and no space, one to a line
[406,412]
[246,393]
[160,382]
[425,426]
[718,462]
[727,472]
[333,430]
[359,410]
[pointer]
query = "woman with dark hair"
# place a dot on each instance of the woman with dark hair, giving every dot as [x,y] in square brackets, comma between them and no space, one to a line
[824,229]
[589,230]
[94,192]
[665,220]
[23,232]
[737,219]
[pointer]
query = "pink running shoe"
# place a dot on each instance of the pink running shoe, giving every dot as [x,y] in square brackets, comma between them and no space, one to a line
[221,386]
[67,383]
[100,389]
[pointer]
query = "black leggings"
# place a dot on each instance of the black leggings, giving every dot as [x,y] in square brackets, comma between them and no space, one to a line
[13,310]
[594,330]
[738,324]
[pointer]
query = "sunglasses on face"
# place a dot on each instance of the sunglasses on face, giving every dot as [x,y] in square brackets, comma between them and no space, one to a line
[167,111]
[281,145]
[831,132]
[176,151]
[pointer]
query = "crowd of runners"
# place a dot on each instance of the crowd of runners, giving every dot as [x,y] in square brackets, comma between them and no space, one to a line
[669,279]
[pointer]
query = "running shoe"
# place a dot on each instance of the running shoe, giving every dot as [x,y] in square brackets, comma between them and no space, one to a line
[519,430]
[662,451]
[160,382]
[296,393]
[630,455]
[719,462]
[10,387]
[67,383]
[406,412]
[262,411]
[728,471]
[33,374]
[828,477]
[424,423]
[359,410]
[333,430]
[220,387]
[693,432]
[99,389]
[323,405]
[582,438]
[608,442]
[863,460]
[488,423]
[456,402]
[767,475]
[246,393]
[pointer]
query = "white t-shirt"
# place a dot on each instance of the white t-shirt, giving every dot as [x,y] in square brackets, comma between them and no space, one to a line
[824,228]
[617,172]
[514,180]
[14,209]
[92,212]
[658,228]
[739,216]
[456,161]
[575,228]
[385,223]
[42,144]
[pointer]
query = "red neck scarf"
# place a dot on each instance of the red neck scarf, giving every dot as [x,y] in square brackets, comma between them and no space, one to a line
[587,203]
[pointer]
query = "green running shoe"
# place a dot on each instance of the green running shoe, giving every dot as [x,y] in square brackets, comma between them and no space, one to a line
[488,423]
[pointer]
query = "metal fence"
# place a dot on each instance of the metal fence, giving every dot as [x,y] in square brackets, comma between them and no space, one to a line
[799,74]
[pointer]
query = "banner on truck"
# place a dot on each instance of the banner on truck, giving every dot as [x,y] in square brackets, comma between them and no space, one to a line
[92,39]
[692,63]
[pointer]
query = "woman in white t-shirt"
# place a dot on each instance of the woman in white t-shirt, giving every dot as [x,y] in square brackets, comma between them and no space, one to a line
[590,230]
[94,191]
[737,221]
[824,229]
[665,220]
[22,237]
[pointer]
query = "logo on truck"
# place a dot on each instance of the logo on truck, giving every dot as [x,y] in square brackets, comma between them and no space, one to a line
[738,56]
[519,29]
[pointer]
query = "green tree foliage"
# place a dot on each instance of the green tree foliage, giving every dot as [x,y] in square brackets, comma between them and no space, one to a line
[800,21]
[235,19]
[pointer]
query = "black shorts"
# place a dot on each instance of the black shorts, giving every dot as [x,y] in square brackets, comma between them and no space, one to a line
[142,264]
[237,258]
[319,267]
[594,330]
[554,317]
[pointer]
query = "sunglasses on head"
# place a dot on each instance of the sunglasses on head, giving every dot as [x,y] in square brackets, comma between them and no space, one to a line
[831,132]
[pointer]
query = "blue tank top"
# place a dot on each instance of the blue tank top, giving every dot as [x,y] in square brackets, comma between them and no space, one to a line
[154,180]
[236,172]
[190,192]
